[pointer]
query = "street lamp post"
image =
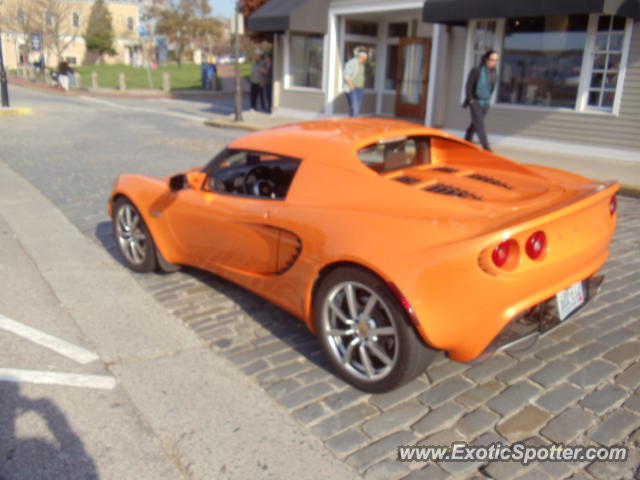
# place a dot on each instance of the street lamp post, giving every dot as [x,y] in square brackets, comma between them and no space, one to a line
[3,78]
[238,103]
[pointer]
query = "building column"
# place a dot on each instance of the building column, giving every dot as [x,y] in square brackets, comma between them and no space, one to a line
[433,74]
[278,70]
[330,63]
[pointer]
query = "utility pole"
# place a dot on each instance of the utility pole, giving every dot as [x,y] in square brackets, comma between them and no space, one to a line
[3,77]
[237,53]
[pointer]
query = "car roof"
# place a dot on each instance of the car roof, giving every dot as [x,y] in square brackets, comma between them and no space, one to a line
[299,139]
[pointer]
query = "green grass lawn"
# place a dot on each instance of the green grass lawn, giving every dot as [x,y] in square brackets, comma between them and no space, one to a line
[187,76]
[245,70]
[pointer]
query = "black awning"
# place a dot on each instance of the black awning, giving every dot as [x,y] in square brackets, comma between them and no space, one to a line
[460,11]
[273,16]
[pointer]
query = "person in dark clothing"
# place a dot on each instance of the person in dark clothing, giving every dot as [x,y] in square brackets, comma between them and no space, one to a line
[256,92]
[267,83]
[480,85]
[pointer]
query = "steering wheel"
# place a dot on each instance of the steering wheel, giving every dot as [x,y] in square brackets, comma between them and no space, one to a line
[258,181]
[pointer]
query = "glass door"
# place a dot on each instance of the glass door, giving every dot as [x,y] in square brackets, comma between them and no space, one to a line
[412,77]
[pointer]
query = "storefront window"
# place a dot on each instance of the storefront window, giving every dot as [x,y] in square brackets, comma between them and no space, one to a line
[398,30]
[395,31]
[357,27]
[484,39]
[541,60]
[306,60]
[392,67]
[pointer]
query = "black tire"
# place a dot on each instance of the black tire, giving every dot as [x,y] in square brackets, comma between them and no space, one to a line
[163,265]
[132,237]
[380,350]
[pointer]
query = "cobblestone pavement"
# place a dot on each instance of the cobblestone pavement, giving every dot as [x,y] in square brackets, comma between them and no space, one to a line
[579,384]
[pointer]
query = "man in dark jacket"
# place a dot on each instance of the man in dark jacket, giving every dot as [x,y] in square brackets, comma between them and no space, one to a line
[480,85]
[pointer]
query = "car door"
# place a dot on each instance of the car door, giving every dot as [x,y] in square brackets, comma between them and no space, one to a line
[227,229]
[224,231]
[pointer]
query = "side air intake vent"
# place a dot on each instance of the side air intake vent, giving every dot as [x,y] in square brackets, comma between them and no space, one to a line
[492,181]
[452,191]
[407,180]
[445,169]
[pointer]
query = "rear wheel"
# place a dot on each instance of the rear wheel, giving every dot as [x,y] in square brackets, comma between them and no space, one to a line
[132,237]
[365,332]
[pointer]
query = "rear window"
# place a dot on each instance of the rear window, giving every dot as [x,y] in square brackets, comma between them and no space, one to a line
[395,153]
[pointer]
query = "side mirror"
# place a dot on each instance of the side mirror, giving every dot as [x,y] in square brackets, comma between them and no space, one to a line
[178,182]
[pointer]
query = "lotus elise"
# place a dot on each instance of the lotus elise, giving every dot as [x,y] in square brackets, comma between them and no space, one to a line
[390,240]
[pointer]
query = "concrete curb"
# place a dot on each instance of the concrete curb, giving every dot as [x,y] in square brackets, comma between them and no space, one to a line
[230,124]
[13,111]
[115,93]
[207,94]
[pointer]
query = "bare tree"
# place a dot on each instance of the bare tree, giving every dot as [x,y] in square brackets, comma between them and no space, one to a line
[186,23]
[60,24]
[57,21]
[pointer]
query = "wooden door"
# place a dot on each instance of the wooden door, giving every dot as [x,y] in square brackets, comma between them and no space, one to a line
[412,77]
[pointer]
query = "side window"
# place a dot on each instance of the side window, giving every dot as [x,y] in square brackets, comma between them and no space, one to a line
[396,153]
[253,174]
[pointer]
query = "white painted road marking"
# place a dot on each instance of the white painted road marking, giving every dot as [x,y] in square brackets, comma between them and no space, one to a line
[69,350]
[102,382]
[186,116]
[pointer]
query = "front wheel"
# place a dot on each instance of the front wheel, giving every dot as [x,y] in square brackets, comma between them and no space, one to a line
[365,332]
[133,237]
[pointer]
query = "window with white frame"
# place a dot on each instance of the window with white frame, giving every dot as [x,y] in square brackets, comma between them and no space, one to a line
[561,61]
[305,60]
[484,38]
[605,67]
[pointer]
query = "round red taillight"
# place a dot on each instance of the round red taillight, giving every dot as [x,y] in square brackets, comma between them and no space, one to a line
[500,254]
[536,245]
[613,205]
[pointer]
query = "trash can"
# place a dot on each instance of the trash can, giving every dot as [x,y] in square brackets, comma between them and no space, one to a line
[208,74]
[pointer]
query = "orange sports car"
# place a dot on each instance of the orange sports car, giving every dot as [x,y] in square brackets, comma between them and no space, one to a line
[390,240]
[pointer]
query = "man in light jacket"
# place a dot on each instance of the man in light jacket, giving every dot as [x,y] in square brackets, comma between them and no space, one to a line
[354,76]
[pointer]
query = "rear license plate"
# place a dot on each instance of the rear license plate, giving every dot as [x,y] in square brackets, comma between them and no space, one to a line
[570,299]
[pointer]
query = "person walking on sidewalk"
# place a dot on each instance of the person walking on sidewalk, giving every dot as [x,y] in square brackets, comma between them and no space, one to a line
[354,80]
[480,85]
[256,78]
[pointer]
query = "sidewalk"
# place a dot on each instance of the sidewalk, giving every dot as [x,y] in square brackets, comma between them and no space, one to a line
[227,74]
[598,168]
[178,410]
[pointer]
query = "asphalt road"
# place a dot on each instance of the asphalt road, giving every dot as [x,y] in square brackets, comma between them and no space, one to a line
[578,385]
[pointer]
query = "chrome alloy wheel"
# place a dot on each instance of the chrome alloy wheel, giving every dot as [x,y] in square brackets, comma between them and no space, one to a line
[132,238]
[360,329]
